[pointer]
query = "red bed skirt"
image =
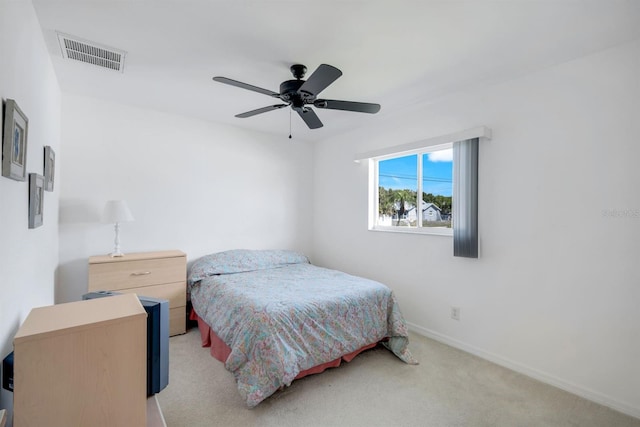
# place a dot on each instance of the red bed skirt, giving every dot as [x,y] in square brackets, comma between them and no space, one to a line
[221,351]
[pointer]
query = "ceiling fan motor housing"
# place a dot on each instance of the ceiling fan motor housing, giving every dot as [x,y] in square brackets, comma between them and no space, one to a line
[289,93]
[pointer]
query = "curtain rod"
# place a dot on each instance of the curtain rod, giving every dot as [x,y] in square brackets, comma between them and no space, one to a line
[481,132]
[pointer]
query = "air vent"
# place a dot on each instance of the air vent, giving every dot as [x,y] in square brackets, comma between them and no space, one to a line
[91,53]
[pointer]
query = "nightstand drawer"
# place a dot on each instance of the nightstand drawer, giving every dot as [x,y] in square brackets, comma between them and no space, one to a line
[134,274]
[174,292]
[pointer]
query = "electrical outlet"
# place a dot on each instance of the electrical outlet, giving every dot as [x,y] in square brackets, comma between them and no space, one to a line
[455,313]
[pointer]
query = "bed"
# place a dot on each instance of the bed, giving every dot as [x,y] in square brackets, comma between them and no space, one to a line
[271,317]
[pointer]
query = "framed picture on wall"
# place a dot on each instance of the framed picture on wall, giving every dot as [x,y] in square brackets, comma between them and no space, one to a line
[36,198]
[49,168]
[14,142]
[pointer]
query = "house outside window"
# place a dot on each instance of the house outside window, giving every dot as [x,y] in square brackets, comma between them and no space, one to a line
[414,192]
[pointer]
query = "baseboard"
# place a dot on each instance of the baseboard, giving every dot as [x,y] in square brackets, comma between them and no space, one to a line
[586,393]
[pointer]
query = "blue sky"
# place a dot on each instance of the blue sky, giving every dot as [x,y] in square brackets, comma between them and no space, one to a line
[401,172]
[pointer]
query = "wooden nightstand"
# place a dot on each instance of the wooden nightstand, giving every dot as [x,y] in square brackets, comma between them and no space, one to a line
[160,274]
[82,364]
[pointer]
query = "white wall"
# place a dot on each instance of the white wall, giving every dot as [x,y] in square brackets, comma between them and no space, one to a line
[28,258]
[191,185]
[554,293]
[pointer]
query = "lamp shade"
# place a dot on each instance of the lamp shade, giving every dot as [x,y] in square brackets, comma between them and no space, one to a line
[116,211]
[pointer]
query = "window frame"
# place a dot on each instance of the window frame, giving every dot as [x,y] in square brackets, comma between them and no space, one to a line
[374,186]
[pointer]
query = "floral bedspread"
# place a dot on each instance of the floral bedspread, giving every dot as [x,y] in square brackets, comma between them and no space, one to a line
[282,319]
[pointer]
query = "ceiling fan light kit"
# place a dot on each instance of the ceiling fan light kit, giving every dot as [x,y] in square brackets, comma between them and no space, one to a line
[301,94]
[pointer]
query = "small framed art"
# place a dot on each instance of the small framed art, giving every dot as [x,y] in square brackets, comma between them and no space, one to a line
[49,168]
[36,199]
[14,142]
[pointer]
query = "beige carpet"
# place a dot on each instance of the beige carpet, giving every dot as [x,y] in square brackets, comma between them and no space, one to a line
[448,388]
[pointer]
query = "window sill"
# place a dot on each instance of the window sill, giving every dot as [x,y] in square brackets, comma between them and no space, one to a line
[422,230]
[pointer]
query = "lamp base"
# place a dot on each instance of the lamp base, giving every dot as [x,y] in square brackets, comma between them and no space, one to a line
[116,249]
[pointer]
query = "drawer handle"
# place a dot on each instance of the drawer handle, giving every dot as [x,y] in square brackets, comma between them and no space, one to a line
[143,273]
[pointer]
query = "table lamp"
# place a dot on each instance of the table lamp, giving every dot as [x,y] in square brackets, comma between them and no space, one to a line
[116,211]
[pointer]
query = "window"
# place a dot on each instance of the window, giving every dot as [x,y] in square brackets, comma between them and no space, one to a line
[428,186]
[415,192]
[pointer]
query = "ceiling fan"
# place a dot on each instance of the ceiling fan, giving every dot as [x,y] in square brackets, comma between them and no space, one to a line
[300,94]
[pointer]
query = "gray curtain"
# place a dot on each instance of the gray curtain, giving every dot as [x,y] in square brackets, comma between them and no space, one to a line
[465,198]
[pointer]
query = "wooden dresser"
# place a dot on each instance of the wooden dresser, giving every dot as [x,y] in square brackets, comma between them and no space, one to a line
[82,364]
[160,274]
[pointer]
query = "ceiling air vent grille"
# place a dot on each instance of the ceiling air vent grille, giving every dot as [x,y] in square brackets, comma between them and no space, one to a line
[91,53]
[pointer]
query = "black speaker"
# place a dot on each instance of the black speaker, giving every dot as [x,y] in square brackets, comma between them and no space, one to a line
[7,372]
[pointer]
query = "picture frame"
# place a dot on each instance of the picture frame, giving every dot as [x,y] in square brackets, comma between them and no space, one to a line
[14,142]
[36,199]
[49,168]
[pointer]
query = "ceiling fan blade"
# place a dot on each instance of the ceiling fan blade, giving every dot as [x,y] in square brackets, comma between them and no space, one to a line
[260,110]
[322,77]
[360,107]
[310,117]
[246,86]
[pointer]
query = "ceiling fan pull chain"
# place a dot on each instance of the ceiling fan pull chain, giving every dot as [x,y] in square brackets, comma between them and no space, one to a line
[289,123]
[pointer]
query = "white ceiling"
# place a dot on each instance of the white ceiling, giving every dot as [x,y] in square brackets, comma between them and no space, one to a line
[396,53]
